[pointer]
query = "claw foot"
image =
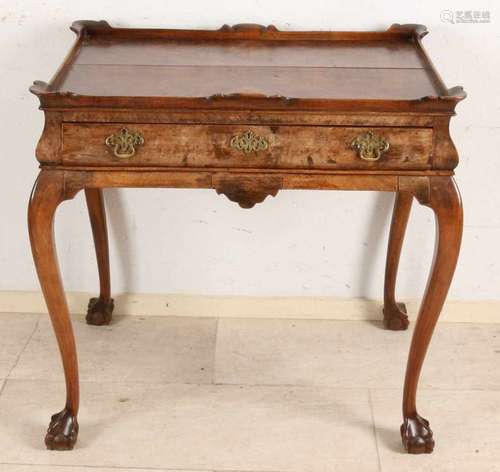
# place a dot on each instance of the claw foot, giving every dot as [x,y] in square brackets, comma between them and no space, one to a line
[62,431]
[99,312]
[395,317]
[417,435]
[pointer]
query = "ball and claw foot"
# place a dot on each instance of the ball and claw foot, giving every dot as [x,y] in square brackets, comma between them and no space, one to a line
[62,431]
[99,312]
[395,317]
[417,436]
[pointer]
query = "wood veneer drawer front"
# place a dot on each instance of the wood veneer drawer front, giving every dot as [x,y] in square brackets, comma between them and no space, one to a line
[246,146]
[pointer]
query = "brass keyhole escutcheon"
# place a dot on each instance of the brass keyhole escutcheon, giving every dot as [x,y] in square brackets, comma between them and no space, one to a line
[124,143]
[370,146]
[248,142]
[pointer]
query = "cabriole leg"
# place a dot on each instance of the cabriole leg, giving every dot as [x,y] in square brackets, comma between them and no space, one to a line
[47,193]
[444,200]
[100,309]
[395,317]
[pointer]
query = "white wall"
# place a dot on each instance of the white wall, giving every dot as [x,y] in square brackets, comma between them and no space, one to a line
[300,243]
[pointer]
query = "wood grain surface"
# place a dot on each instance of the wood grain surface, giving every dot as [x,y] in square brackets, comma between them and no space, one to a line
[300,147]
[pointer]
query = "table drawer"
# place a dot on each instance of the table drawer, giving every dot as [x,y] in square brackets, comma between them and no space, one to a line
[246,146]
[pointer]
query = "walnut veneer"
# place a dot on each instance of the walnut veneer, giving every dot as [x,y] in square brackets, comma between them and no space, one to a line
[248,111]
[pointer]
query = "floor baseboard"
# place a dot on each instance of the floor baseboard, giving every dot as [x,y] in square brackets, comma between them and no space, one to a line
[327,308]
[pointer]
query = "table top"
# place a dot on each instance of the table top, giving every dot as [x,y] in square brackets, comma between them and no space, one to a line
[248,66]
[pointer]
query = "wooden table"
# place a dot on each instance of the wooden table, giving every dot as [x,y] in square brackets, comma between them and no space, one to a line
[248,111]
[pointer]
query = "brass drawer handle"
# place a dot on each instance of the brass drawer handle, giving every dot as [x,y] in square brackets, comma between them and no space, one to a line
[124,142]
[248,142]
[370,146]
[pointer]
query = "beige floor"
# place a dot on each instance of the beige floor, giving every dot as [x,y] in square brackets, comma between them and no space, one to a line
[201,394]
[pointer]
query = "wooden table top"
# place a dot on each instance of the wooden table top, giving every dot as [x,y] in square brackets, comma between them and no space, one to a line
[118,66]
